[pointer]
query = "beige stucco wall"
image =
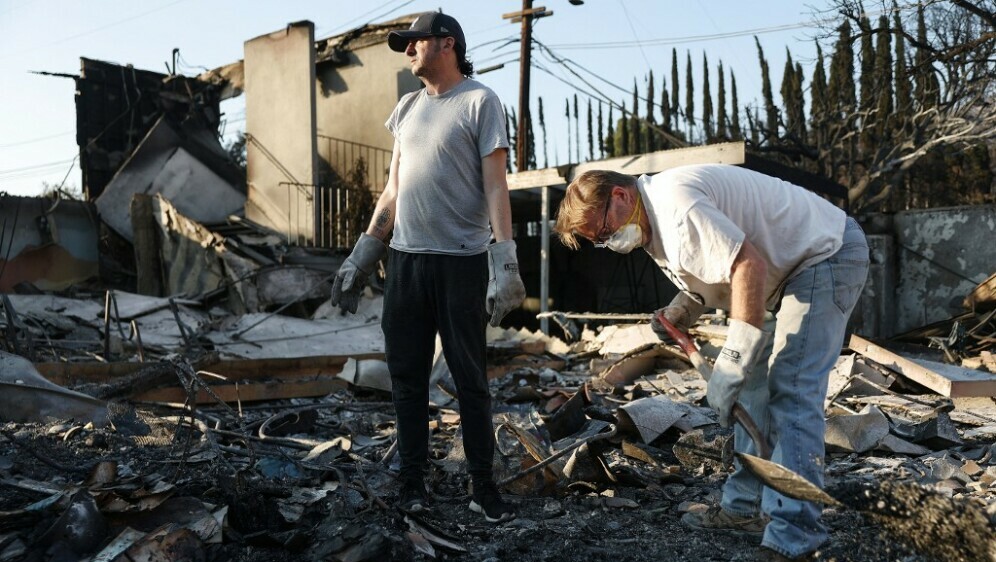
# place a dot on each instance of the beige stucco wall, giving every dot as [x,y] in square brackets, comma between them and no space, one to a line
[280,126]
[355,99]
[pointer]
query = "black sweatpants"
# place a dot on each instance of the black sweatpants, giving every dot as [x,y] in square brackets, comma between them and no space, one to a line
[426,293]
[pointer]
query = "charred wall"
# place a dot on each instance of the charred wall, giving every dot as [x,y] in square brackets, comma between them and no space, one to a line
[116,106]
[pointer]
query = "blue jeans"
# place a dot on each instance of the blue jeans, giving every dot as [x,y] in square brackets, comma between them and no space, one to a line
[785,393]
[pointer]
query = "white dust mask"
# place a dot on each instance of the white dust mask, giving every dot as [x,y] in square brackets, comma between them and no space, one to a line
[629,236]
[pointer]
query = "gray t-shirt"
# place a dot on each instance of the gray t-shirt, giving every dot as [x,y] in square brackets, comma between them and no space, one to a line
[441,207]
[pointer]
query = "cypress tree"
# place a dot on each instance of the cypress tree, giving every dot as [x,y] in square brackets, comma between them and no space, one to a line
[818,94]
[925,80]
[792,98]
[513,138]
[530,143]
[649,136]
[567,114]
[800,102]
[665,115]
[734,109]
[883,67]
[542,121]
[601,139]
[577,131]
[770,110]
[706,100]
[904,90]
[675,99]
[841,98]
[787,91]
[665,106]
[591,135]
[508,134]
[689,95]
[868,82]
[610,137]
[635,138]
[623,132]
[841,103]
[721,102]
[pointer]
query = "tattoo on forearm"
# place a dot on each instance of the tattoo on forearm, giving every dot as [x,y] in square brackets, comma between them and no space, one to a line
[380,225]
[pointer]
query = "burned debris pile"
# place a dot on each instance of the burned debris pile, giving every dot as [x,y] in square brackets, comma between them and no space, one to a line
[146,428]
[202,400]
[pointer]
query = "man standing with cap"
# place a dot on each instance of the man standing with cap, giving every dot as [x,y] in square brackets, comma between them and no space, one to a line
[446,196]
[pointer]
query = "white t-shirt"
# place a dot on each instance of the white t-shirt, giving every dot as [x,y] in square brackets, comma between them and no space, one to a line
[701,214]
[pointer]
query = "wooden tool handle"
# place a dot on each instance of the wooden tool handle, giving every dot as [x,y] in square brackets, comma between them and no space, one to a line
[740,415]
[743,418]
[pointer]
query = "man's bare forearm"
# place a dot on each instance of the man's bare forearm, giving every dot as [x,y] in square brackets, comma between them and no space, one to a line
[384,212]
[382,223]
[496,194]
[383,219]
[747,286]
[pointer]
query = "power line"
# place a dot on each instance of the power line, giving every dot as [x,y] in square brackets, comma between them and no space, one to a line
[662,41]
[508,39]
[679,40]
[357,18]
[90,32]
[36,139]
[667,134]
[374,18]
[633,29]
[564,61]
[496,56]
[34,167]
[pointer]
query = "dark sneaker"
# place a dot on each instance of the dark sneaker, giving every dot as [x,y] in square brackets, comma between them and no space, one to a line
[413,497]
[717,519]
[487,501]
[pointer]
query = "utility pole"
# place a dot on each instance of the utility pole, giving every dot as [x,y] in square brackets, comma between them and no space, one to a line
[526,17]
[523,141]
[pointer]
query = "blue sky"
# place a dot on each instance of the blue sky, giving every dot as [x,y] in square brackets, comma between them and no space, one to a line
[609,41]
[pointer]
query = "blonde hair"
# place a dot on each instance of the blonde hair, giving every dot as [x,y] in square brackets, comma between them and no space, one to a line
[587,193]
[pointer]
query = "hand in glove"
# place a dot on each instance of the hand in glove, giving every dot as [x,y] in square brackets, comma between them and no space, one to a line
[353,273]
[505,288]
[744,345]
[682,311]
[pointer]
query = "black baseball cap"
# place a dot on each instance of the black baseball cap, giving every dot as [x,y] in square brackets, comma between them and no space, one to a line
[429,24]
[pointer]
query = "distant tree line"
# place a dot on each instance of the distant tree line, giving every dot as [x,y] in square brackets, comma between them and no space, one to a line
[902,109]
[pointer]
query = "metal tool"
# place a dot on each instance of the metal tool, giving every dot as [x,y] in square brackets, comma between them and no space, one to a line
[738,412]
[772,474]
[784,481]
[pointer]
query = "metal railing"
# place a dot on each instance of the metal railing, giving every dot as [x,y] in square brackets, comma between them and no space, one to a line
[336,211]
[345,212]
[341,157]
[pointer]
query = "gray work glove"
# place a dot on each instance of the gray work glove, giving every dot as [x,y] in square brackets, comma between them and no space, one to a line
[744,345]
[683,311]
[353,273]
[505,288]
